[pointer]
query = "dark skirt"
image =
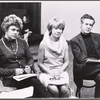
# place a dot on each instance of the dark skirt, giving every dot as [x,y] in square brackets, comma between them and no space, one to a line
[39,89]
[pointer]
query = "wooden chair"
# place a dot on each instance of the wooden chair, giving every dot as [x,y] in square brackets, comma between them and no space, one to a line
[79,90]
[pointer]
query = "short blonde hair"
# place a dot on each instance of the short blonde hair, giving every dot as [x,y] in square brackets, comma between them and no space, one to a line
[56,22]
[11,20]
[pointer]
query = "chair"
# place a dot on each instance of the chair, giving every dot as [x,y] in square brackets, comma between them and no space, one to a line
[79,90]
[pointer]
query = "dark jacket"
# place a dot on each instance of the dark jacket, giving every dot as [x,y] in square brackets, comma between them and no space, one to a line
[80,55]
[9,61]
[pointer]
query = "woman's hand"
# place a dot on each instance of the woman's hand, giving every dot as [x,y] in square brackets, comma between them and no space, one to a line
[27,69]
[19,71]
[55,73]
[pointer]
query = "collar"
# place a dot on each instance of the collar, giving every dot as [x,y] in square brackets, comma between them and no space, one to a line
[6,40]
[85,36]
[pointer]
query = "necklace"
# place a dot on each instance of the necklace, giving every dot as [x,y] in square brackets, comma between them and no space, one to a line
[12,51]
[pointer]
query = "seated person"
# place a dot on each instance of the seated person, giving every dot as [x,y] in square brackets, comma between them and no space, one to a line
[26,31]
[16,58]
[86,51]
[53,58]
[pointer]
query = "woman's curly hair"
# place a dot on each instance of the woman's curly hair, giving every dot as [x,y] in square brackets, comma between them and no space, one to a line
[12,19]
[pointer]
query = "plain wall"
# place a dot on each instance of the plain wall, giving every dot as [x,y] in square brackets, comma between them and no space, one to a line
[71,12]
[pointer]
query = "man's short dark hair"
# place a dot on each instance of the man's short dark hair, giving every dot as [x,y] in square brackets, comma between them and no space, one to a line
[87,16]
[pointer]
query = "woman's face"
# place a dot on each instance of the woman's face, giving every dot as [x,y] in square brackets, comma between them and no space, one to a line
[56,32]
[24,19]
[12,32]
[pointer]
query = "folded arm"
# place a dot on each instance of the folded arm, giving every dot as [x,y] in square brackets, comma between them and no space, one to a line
[29,58]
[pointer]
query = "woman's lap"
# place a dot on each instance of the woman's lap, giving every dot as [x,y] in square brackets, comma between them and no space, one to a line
[45,78]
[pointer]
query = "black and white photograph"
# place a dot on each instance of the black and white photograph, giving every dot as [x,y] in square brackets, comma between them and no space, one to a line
[49,49]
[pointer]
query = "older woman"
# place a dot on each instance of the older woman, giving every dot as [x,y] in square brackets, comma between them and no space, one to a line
[16,58]
[53,59]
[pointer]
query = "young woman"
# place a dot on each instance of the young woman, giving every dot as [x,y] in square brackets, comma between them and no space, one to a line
[53,59]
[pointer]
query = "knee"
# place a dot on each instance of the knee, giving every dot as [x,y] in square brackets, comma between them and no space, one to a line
[53,89]
[64,89]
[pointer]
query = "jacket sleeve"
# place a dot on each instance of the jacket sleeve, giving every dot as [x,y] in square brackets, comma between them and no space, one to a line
[79,55]
[78,63]
[28,56]
[7,72]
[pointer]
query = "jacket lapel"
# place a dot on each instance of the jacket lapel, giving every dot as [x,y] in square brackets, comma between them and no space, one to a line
[82,44]
[95,43]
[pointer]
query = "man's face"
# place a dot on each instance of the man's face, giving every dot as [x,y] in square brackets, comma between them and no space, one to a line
[86,26]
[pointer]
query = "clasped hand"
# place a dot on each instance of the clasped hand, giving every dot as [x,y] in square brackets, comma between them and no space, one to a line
[27,69]
[19,71]
[55,74]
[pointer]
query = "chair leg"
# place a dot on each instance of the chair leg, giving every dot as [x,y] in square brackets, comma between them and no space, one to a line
[78,92]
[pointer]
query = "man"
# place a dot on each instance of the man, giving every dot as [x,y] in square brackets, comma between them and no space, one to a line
[86,51]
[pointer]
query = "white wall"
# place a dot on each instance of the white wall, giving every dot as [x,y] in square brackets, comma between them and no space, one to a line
[71,12]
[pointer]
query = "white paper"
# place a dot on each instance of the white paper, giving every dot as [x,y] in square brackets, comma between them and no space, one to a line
[21,93]
[93,60]
[23,76]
